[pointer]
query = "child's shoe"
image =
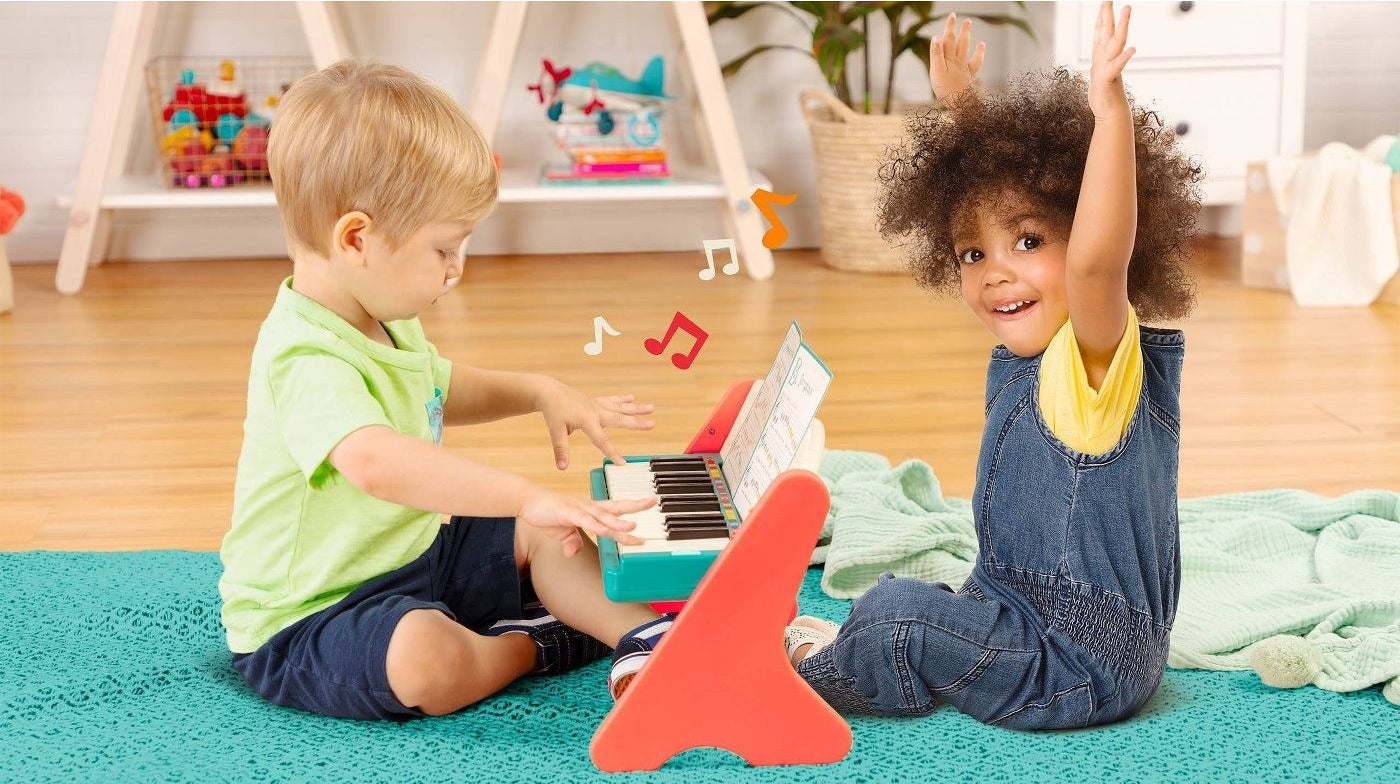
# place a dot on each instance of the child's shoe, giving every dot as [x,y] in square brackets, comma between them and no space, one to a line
[560,648]
[807,630]
[633,651]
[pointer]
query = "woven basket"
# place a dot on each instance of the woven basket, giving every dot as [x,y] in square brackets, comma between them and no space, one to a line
[848,148]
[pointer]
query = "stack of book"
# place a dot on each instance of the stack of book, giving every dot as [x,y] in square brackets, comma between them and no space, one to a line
[593,158]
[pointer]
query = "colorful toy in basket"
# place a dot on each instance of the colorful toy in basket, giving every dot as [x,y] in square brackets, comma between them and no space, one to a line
[609,124]
[211,137]
[11,208]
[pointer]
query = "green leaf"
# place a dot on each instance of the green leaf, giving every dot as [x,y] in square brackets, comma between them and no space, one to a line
[832,43]
[732,67]
[717,12]
[893,11]
[858,10]
[919,46]
[819,10]
[1002,19]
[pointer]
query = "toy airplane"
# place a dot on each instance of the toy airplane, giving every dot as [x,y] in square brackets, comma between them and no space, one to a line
[598,87]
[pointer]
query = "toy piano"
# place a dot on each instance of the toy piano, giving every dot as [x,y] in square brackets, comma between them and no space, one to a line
[759,429]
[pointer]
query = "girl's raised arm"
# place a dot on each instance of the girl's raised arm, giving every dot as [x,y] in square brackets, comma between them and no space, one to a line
[1105,219]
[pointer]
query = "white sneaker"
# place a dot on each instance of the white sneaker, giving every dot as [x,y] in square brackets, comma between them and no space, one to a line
[807,630]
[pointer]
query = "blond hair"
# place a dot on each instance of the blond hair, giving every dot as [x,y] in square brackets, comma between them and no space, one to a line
[378,139]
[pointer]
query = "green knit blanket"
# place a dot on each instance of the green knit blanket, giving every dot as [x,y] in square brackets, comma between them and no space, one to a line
[1299,587]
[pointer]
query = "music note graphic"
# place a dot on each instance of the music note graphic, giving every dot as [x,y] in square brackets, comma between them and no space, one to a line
[679,321]
[595,347]
[710,247]
[764,200]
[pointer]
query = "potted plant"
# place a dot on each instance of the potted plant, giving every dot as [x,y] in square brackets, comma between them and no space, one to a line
[850,128]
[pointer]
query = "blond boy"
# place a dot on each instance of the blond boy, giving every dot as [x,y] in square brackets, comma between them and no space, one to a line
[344,593]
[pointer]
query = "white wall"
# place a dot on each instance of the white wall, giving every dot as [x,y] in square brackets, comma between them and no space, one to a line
[1353,72]
[50,54]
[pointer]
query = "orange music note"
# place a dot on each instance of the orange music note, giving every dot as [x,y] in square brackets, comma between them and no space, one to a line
[679,321]
[764,200]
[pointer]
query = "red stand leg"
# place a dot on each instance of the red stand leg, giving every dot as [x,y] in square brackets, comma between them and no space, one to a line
[720,677]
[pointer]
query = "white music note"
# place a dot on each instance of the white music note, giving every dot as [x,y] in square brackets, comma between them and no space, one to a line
[595,347]
[710,247]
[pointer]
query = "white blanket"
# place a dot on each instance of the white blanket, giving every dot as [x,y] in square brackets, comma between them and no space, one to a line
[1341,239]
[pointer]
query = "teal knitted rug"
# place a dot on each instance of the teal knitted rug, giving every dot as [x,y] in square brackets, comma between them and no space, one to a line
[113,669]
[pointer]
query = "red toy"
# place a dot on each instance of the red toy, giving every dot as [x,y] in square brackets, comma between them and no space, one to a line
[11,208]
[250,148]
[207,105]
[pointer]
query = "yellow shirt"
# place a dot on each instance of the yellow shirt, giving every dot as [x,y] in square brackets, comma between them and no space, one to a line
[1088,421]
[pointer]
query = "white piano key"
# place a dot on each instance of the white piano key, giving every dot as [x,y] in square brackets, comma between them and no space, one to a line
[634,480]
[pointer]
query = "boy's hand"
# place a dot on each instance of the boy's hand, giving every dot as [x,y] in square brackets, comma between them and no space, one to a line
[949,69]
[564,515]
[566,409]
[1106,95]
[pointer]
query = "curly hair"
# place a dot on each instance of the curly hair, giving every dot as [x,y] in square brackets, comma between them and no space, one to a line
[1033,140]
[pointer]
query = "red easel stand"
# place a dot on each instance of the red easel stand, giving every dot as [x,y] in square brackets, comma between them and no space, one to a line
[720,677]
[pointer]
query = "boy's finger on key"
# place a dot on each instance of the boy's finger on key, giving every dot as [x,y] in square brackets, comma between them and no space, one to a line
[617,529]
[630,505]
[612,521]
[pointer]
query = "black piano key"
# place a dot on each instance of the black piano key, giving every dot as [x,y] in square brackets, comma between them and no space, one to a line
[691,475]
[698,533]
[694,517]
[669,490]
[673,485]
[694,524]
[682,480]
[690,506]
[680,529]
[664,462]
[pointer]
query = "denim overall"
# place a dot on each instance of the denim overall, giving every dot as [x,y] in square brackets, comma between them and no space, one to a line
[1064,620]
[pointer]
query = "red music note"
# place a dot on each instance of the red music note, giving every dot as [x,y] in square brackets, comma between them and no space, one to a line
[765,200]
[679,321]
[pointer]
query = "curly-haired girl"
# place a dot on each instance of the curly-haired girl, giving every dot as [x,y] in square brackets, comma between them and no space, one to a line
[1062,222]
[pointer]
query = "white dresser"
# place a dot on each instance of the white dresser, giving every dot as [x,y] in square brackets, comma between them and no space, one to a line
[1228,76]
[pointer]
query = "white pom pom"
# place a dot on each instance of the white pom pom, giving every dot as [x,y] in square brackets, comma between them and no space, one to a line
[1286,662]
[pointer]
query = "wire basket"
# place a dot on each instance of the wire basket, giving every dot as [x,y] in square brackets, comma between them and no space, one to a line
[211,116]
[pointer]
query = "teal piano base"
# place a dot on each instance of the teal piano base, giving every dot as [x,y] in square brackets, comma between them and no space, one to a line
[647,577]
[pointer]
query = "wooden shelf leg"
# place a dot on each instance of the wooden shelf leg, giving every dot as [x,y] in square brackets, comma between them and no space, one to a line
[108,141]
[493,73]
[324,34]
[741,216]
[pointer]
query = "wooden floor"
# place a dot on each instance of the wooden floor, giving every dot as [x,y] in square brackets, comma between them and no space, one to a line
[121,408]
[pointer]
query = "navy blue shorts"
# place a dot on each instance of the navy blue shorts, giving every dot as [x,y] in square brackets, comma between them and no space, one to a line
[333,662]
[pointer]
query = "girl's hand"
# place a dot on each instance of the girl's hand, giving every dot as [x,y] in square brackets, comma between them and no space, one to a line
[1106,96]
[950,71]
[566,409]
[564,515]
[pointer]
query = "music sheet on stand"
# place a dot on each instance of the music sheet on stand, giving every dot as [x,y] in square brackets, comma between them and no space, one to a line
[767,440]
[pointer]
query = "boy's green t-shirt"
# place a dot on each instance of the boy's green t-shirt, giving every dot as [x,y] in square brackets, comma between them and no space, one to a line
[303,537]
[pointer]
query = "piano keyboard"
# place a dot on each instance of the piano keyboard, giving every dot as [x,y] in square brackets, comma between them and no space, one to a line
[693,510]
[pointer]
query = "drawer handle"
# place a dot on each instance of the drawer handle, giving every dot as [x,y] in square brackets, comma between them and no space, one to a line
[1185,6]
[1182,128]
